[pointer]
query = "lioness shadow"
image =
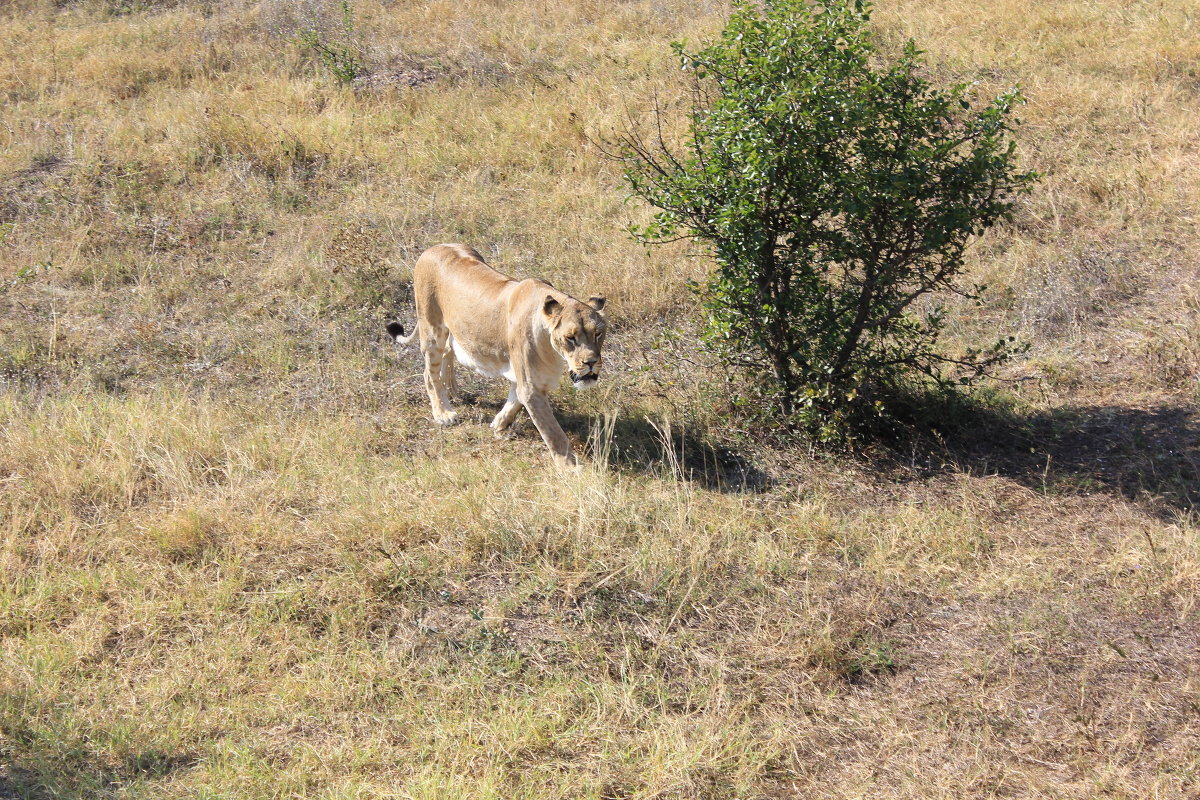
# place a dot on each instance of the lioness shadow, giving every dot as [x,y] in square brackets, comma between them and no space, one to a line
[1151,455]
[634,442]
[631,441]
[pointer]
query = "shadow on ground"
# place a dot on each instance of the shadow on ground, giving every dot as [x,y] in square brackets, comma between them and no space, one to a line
[1150,455]
[634,442]
[78,781]
[32,768]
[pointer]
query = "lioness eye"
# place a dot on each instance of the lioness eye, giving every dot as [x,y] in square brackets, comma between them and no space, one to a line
[571,341]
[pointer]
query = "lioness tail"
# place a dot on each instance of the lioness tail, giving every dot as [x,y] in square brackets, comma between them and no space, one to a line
[396,331]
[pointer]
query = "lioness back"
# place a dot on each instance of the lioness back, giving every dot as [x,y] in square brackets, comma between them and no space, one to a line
[453,286]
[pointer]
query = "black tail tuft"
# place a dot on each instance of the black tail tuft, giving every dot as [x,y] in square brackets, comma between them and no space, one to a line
[395,329]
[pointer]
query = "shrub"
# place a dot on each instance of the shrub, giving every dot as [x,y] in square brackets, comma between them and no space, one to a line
[325,29]
[833,195]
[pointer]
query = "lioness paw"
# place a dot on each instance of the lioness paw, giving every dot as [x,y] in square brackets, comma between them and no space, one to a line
[566,462]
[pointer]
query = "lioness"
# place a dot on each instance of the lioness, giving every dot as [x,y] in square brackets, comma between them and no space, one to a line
[526,331]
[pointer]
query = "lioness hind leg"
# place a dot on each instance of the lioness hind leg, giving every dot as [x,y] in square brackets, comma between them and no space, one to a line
[507,414]
[449,377]
[435,358]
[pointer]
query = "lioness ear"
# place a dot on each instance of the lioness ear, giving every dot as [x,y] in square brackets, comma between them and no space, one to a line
[596,302]
[551,306]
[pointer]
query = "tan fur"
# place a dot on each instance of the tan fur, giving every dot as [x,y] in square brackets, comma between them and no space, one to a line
[526,331]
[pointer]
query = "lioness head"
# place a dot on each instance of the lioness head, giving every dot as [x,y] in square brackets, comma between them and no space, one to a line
[577,333]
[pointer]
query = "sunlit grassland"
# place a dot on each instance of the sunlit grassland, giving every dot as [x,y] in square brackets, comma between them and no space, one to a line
[203,598]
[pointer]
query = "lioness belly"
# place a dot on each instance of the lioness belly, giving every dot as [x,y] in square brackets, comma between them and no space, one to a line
[493,369]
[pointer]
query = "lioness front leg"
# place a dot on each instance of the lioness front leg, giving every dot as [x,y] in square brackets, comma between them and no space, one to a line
[507,414]
[543,417]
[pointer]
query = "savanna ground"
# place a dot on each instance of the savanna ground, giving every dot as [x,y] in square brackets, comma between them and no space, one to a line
[237,559]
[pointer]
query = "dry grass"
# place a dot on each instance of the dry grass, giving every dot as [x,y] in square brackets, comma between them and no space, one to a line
[237,561]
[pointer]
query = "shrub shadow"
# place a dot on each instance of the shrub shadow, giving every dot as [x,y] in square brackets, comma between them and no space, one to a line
[1150,455]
